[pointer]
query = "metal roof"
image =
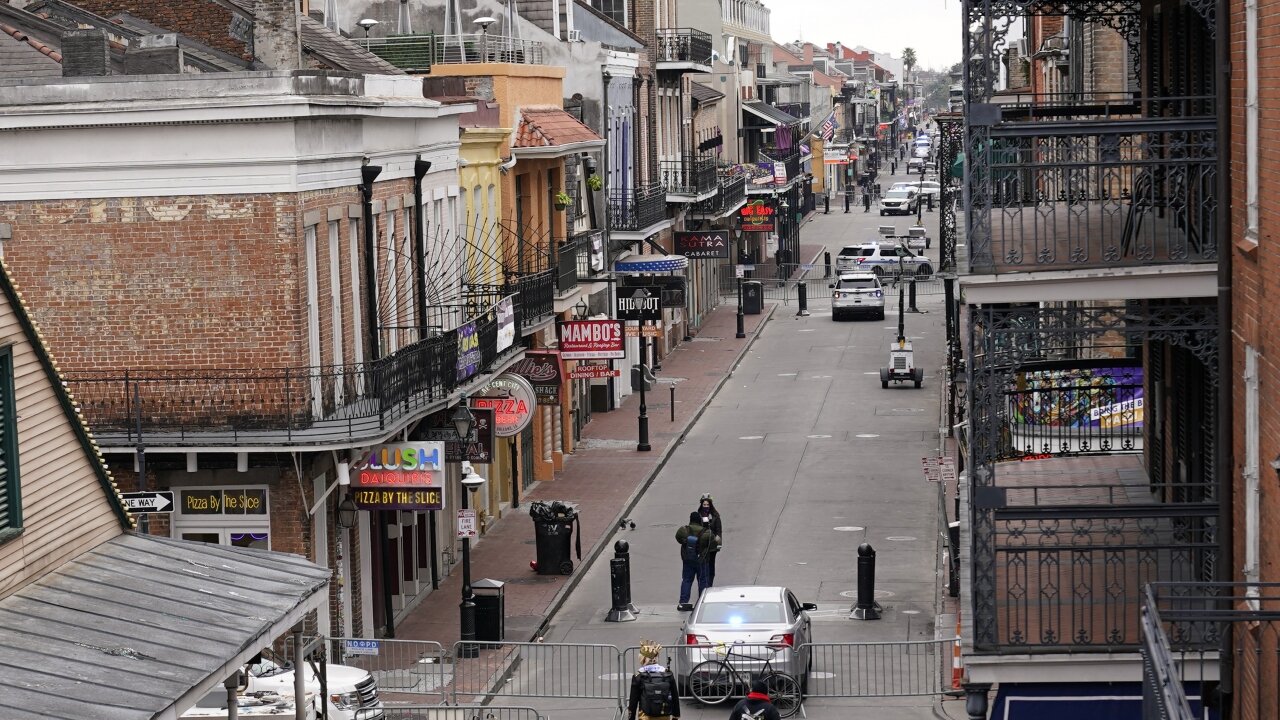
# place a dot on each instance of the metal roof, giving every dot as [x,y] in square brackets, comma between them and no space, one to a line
[769,113]
[144,627]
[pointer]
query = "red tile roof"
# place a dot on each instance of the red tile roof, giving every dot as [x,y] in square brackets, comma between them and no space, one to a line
[550,127]
[21,36]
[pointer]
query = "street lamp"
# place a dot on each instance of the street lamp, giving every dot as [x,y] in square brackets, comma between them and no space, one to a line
[367,24]
[737,271]
[471,480]
[347,511]
[484,23]
[462,420]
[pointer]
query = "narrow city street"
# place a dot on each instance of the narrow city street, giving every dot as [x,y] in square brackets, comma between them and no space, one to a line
[807,457]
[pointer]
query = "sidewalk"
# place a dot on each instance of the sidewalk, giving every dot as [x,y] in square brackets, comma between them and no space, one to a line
[604,476]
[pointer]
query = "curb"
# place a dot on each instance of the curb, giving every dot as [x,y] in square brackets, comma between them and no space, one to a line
[632,500]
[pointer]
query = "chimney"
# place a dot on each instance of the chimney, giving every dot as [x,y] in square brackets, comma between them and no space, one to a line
[85,53]
[154,55]
[277,44]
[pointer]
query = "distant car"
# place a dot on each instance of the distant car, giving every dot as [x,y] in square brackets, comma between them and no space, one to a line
[882,259]
[761,618]
[927,188]
[915,165]
[920,151]
[904,200]
[857,293]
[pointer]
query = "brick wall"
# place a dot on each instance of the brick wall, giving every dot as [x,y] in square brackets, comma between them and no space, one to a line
[209,22]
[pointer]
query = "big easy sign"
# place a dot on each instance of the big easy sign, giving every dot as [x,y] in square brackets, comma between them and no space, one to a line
[756,216]
[592,340]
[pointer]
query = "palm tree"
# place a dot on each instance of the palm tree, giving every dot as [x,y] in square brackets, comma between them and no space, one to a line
[908,62]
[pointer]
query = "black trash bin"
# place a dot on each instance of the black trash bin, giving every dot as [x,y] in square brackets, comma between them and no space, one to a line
[491,611]
[553,534]
[752,297]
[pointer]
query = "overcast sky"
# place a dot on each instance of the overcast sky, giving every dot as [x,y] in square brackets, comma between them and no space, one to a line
[932,27]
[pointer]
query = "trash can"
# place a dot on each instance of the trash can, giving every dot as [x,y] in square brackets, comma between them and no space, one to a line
[752,297]
[491,610]
[553,532]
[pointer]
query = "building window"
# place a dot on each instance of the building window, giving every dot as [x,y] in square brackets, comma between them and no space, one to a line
[237,516]
[10,487]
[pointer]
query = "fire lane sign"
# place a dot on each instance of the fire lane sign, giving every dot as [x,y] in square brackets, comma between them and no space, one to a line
[149,502]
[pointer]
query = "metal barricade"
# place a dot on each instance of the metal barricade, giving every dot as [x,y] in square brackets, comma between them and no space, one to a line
[548,670]
[449,712]
[879,669]
[414,667]
[746,660]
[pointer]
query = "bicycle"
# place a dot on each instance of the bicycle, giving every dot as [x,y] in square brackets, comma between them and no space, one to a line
[713,681]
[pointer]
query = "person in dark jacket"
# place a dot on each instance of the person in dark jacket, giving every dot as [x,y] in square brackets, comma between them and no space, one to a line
[756,705]
[649,664]
[707,516]
[696,542]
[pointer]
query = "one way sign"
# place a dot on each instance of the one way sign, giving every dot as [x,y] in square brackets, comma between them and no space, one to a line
[149,502]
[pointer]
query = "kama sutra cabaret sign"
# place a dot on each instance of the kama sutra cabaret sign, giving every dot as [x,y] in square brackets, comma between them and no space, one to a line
[512,400]
[542,369]
[592,340]
[406,476]
[756,216]
[708,244]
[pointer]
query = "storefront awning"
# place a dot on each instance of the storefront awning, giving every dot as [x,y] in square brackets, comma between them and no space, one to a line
[143,626]
[651,264]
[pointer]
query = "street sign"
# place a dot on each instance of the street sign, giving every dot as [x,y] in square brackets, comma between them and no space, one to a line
[467,524]
[149,502]
[586,372]
[361,647]
[640,303]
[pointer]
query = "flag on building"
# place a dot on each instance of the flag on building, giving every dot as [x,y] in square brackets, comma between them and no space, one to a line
[828,127]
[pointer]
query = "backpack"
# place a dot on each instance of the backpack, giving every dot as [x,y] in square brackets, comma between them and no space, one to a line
[689,551]
[657,693]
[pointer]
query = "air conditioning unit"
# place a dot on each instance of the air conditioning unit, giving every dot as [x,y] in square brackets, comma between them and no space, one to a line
[575,36]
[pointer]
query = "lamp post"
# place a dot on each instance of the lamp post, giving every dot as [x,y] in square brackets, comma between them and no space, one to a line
[484,23]
[737,271]
[367,24]
[462,421]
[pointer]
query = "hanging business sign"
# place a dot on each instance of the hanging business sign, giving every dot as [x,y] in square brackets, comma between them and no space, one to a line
[672,293]
[588,372]
[705,245]
[469,355]
[506,312]
[401,476]
[591,340]
[542,369]
[642,303]
[512,400]
[756,216]
[476,447]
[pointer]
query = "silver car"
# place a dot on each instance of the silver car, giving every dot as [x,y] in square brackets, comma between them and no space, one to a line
[768,623]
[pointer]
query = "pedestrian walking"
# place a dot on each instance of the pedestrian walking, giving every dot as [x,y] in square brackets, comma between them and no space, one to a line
[696,542]
[708,517]
[653,687]
[782,257]
[866,200]
[756,705]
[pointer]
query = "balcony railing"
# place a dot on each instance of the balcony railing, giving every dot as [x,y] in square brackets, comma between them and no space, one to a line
[537,294]
[788,157]
[1086,183]
[733,190]
[417,53]
[637,209]
[689,176]
[683,45]
[569,256]
[795,110]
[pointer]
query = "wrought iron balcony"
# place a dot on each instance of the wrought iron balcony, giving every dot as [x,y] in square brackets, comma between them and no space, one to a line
[683,49]
[796,110]
[291,406]
[637,209]
[789,157]
[568,257]
[733,191]
[688,178]
[417,53]
[590,253]
[536,292]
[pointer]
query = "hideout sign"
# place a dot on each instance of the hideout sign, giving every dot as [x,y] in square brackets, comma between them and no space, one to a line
[640,303]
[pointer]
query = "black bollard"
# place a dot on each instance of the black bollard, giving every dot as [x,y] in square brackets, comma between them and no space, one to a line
[620,584]
[911,297]
[826,202]
[930,199]
[827,258]
[847,198]
[866,608]
[802,296]
[673,402]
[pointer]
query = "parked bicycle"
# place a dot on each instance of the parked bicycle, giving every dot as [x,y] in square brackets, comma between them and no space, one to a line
[714,681]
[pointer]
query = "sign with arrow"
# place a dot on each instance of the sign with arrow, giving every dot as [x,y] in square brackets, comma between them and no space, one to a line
[149,502]
[640,303]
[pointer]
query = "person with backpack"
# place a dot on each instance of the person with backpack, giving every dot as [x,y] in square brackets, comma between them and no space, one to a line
[653,688]
[708,517]
[756,705]
[696,542]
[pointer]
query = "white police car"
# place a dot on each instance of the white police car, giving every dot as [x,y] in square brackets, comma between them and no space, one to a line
[882,259]
[855,294]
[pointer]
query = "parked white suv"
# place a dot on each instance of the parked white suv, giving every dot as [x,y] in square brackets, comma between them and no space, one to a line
[857,293]
[882,259]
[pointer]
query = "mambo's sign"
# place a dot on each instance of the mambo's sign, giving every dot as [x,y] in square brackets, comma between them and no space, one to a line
[708,244]
[592,340]
[405,476]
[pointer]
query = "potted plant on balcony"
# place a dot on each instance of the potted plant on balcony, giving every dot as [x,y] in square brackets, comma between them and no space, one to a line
[563,200]
[595,182]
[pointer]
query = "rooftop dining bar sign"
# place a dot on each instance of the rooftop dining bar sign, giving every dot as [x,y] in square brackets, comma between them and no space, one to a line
[402,476]
[704,245]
